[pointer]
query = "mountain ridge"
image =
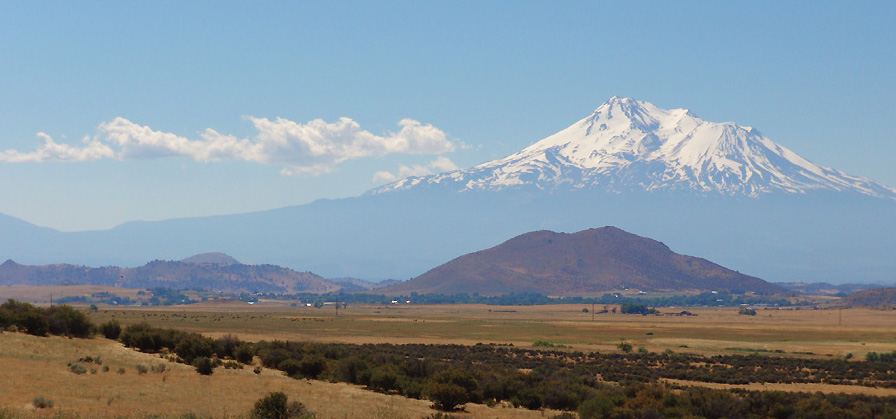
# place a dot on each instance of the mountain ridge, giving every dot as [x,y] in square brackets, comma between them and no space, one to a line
[629,145]
[217,274]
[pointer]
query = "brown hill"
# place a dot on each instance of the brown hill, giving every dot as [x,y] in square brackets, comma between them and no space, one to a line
[587,262]
[876,298]
[212,258]
[213,276]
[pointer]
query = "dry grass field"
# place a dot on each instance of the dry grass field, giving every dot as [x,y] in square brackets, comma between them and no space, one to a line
[33,367]
[805,332]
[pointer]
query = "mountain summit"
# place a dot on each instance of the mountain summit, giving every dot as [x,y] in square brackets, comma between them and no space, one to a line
[583,263]
[629,145]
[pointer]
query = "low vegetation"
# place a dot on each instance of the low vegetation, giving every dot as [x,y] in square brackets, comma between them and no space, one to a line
[452,375]
[704,299]
[618,383]
[55,320]
[276,405]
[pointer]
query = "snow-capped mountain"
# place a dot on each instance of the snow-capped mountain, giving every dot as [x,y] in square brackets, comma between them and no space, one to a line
[629,145]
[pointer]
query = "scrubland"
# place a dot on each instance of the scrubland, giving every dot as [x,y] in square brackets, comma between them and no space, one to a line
[38,367]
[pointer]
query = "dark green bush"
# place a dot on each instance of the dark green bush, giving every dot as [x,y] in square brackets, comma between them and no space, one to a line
[194,345]
[244,354]
[24,316]
[42,403]
[383,380]
[204,365]
[447,397]
[226,346]
[277,406]
[596,407]
[312,366]
[66,321]
[110,329]
[77,368]
[290,366]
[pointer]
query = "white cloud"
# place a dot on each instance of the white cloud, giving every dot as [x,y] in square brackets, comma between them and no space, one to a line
[441,164]
[49,150]
[384,177]
[311,148]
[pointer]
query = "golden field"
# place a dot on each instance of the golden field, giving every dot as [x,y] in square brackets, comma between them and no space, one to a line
[804,332]
[32,367]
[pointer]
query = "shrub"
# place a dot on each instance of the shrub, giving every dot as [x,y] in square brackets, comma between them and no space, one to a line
[312,366]
[276,406]
[111,329]
[596,407]
[77,368]
[350,370]
[290,366]
[633,308]
[151,339]
[204,365]
[747,311]
[194,346]
[66,321]
[383,380]
[42,403]
[624,347]
[244,354]
[23,316]
[447,396]
[230,365]
[227,345]
[141,369]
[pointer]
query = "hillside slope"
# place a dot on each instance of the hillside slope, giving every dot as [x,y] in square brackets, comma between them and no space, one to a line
[587,262]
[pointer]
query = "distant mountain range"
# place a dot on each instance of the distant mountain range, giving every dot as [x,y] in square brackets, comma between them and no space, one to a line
[210,271]
[824,288]
[718,190]
[584,263]
[883,298]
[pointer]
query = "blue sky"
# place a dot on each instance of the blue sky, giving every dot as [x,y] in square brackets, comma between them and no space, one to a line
[118,111]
